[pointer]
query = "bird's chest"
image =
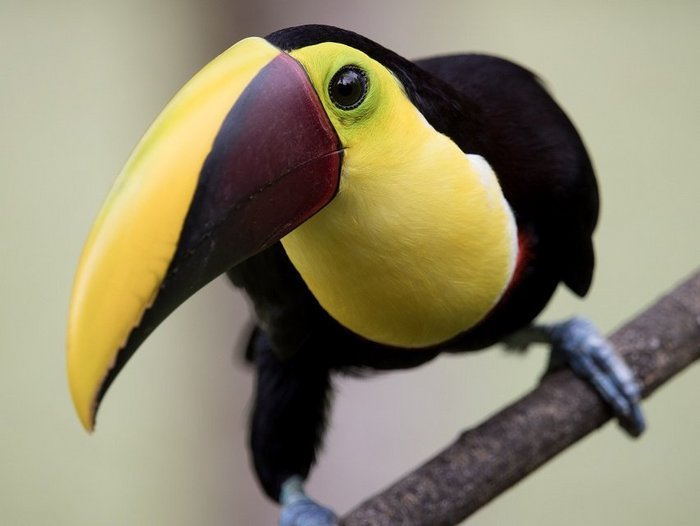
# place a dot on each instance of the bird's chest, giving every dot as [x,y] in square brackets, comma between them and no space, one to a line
[408,265]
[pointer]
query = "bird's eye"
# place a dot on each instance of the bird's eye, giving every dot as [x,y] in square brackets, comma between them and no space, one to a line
[348,87]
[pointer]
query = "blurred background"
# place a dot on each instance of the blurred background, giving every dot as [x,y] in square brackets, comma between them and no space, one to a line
[82,81]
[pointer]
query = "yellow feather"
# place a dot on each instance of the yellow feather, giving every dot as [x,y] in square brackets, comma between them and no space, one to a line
[419,244]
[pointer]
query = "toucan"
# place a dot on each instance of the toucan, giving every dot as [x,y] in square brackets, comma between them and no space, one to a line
[376,211]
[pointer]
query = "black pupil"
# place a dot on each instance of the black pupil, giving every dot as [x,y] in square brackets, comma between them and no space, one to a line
[348,88]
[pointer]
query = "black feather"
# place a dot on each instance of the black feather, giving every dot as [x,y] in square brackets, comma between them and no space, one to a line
[487,106]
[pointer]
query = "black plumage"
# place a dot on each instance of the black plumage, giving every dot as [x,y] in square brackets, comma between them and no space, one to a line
[487,106]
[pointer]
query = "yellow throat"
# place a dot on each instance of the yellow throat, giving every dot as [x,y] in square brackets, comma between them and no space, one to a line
[419,244]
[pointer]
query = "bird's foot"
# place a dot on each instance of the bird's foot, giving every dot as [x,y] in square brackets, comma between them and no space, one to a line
[578,344]
[299,510]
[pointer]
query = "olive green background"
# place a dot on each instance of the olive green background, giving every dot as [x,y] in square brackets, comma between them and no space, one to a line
[79,84]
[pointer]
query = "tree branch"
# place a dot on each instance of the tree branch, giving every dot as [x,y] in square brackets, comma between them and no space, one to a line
[487,460]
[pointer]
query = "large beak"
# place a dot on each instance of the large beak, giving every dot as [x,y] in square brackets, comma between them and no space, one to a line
[242,155]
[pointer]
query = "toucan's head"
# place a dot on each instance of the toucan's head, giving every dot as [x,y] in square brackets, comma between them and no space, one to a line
[249,149]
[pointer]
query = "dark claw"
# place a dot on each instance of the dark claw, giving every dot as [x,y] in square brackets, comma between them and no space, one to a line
[578,343]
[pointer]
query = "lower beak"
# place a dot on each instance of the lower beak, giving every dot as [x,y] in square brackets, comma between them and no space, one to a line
[242,155]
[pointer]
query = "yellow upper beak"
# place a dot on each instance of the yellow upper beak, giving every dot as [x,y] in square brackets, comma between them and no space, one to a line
[132,242]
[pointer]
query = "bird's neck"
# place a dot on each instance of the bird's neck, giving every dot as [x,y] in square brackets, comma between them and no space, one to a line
[411,256]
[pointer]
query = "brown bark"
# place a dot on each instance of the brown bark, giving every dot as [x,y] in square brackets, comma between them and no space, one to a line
[487,460]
